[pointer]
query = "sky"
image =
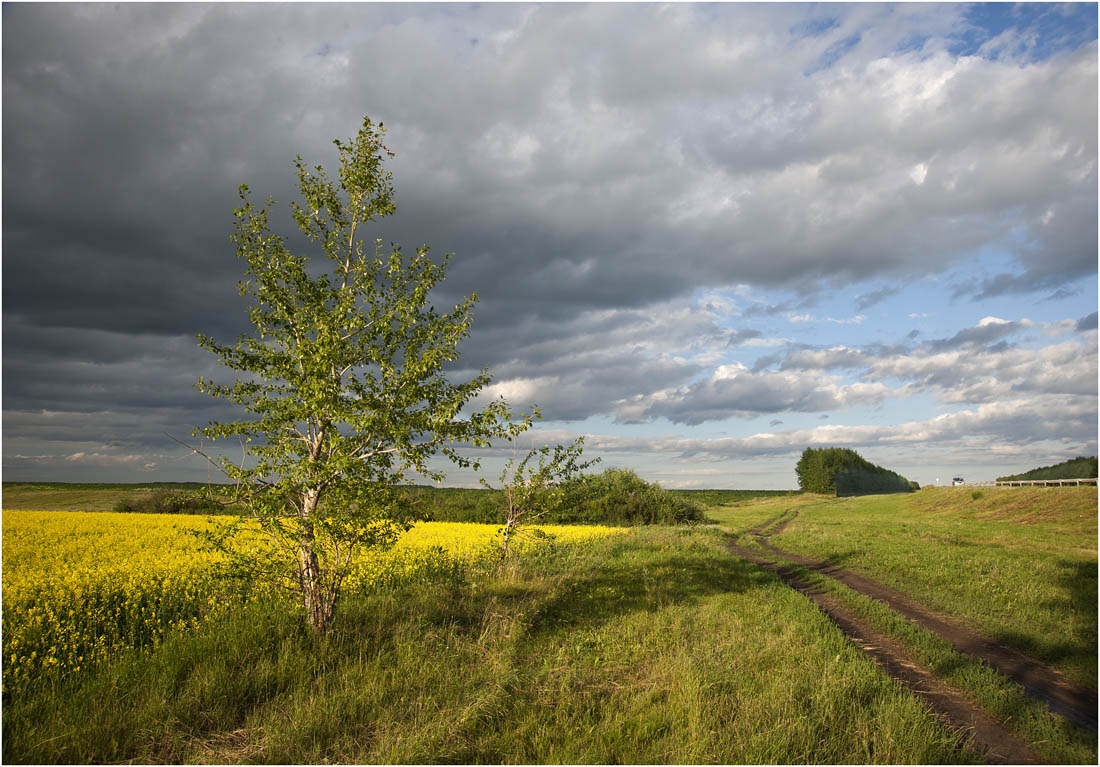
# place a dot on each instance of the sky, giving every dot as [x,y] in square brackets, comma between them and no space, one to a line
[704,236]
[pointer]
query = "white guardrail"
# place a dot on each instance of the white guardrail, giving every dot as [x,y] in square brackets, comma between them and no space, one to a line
[1021,482]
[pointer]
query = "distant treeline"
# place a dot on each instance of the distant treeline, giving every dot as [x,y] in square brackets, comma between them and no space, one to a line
[173,500]
[614,497]
[722,497]
[1075,468]
[135,486]
[844,472]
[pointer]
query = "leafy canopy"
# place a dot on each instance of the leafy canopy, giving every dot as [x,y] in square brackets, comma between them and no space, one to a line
[343,379]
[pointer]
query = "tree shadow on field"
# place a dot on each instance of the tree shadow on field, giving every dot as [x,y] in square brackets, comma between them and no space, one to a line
[621,587]
[1079,580]
[840,558]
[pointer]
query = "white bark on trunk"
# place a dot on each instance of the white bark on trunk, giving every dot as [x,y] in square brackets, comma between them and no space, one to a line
[316,598]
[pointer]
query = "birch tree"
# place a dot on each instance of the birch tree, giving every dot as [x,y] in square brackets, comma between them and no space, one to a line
[343,380]
[532,490]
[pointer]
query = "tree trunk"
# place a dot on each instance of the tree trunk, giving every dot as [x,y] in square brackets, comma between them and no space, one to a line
[511,523]
[316,599]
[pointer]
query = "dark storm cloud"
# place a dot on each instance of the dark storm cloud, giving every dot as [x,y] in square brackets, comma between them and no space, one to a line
[529,156]
[591,166]
[1087,323]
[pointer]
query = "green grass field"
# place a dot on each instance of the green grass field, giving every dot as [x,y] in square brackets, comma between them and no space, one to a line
[653,646]
[1018,564]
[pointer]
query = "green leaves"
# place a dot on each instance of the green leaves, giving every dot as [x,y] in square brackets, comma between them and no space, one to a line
[532,490]
[343,378]
[844,472]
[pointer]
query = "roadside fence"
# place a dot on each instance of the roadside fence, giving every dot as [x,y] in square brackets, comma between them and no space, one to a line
[1021,482]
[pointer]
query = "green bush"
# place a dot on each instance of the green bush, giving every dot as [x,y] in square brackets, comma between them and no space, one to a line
[615,497]
[453,504]
[169,502]
[621,497]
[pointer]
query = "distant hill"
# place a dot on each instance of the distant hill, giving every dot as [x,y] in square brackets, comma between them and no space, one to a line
[1076,468]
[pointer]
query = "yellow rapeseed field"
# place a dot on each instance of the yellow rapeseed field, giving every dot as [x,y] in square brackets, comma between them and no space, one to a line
[78,586]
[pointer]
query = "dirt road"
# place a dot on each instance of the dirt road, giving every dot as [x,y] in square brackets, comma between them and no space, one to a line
[983,731]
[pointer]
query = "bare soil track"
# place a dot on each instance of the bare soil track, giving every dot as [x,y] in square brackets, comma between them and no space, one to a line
[984,733]
[1039,680]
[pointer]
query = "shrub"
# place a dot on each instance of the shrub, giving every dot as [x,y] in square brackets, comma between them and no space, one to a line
[621,497]
[615,497]
[453,504]
[169,502]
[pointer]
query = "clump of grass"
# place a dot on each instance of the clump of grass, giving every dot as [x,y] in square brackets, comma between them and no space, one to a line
[169,502]
[976,495]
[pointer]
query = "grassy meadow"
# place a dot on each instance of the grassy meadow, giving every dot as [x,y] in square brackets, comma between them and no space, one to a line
[647,645]
[1017,564]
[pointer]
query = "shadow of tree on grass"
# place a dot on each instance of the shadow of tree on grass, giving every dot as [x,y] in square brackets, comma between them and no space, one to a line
[625,585]
[1079,581]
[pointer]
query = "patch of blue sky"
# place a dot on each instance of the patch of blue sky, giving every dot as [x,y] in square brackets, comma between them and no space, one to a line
[915,406]
[835,317]
[964,285]
[834,53]
[1041,29]
[913,312]
[913,42]
[813,27]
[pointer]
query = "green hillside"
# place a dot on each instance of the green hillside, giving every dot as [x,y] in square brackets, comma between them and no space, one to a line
[1076,468]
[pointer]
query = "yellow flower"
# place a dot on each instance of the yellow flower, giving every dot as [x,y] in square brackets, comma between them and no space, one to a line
[77,586]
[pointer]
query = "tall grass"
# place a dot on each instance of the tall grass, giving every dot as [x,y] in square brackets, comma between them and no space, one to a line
[1054,739]
[1018,564]
[652,646]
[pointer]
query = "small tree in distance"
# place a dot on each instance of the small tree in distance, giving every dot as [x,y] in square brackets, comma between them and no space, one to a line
[343,380]
[534,490]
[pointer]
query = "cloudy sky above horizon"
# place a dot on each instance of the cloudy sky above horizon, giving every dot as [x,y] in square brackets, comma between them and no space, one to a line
[704,236]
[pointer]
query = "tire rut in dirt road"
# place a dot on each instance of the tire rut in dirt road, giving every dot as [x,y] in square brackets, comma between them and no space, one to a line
[984,733]
[1039,681]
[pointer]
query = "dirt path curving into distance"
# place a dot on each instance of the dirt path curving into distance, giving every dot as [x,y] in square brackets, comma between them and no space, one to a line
[984,733]
[1039,680]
